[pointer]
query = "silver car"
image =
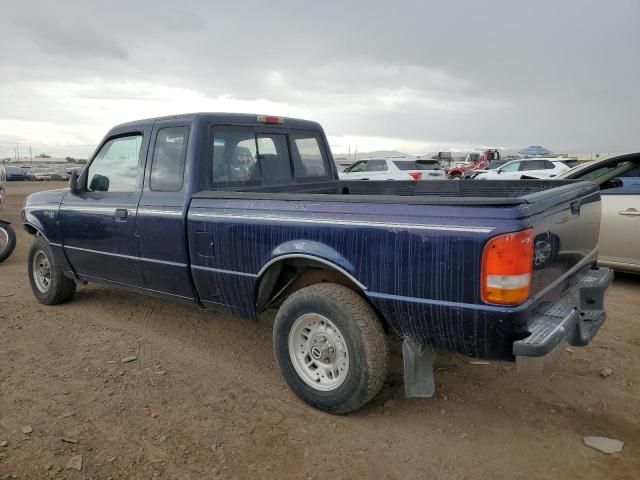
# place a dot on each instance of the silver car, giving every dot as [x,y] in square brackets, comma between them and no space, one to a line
[619,181]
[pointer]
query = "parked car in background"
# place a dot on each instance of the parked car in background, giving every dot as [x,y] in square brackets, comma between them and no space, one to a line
[7,235]
[394,169]
[619,181]
[14,174]
[42,174]
[471,174]
[526,168]
[60,174]
[473,161]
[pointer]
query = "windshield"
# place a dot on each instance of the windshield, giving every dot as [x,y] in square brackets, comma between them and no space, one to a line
[619,168]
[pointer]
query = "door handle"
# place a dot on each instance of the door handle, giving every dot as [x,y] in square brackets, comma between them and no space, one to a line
[631,212]
[122,213]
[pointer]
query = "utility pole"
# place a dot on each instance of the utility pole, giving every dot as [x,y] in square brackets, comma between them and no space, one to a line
[31,154]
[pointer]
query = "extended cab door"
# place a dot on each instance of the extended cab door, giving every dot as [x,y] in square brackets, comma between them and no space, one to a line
[162,212]
[98,225]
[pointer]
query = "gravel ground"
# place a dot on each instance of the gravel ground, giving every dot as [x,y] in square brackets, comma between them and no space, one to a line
[204,399]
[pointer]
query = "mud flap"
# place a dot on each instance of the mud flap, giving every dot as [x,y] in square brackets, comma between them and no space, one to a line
[418,362]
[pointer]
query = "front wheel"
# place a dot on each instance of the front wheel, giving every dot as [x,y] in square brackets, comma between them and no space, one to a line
[48,282]
[7,241]
[330,347]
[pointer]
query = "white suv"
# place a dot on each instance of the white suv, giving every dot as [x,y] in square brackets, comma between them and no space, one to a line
[526,168]
[394,169]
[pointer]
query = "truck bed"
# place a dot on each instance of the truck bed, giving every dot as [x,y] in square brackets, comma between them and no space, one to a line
[462,192]
[414,246]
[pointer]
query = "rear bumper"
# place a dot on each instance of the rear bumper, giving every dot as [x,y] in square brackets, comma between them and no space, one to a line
[575,319]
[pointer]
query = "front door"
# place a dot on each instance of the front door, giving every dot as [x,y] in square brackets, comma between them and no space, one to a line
[99,225]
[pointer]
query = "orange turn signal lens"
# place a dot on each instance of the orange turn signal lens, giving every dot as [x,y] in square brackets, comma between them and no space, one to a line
[507,263]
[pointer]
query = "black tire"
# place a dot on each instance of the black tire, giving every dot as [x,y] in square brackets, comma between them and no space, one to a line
[7,249]
[362,333]
[60,288]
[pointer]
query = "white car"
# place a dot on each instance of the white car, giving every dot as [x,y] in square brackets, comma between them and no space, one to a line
[394,169]
[526,168]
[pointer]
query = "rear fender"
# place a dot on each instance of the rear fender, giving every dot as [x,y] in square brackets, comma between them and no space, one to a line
[313,251]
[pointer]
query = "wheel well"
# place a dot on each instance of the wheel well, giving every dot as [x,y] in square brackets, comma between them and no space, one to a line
[283,278]
[31,229]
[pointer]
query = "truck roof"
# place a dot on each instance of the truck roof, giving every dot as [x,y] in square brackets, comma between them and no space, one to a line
[224,118]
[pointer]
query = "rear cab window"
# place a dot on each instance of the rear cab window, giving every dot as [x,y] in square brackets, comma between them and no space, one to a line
[245,156]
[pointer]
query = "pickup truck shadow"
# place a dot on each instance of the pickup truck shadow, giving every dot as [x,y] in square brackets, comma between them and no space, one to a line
[221,353]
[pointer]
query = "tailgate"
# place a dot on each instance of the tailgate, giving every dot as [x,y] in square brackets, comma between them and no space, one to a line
[566,223]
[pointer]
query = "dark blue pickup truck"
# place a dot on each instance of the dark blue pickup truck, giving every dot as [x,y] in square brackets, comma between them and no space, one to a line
[244,213]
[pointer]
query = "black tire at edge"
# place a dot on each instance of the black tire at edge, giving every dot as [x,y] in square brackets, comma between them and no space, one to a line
[8,250]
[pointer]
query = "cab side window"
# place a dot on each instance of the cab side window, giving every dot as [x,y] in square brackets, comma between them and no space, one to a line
[115,167]
[167,167]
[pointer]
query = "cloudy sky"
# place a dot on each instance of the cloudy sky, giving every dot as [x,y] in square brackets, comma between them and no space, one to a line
[416,76]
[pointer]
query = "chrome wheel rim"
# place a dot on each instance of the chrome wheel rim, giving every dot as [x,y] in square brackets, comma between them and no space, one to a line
[318,352]
[4,239]
[41,271]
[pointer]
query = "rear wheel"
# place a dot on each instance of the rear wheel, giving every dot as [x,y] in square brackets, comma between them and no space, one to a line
[7,241]
[330,347]
[48,283]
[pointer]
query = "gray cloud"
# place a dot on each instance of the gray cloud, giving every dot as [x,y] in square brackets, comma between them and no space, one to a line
[508,72]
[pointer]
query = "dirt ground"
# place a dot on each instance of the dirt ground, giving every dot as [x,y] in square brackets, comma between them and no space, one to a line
[204,399]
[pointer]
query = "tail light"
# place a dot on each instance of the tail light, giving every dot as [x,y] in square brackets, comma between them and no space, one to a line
[415,175]
[507,263]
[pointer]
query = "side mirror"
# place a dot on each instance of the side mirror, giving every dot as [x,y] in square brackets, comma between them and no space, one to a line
[612,183]
[498,170]
[73,183]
